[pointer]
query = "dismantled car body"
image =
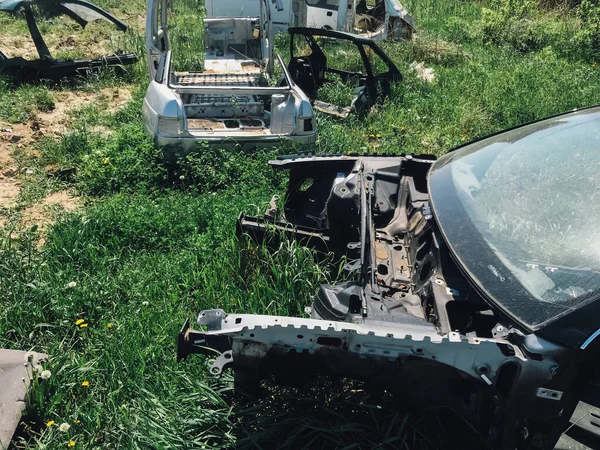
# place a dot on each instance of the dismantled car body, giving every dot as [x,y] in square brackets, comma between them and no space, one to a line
[387,19]
[310,68]
[471,283]
[229,102]
[46,66]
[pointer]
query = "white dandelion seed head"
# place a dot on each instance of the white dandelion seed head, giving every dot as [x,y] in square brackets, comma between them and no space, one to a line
[72,284]
[64,427]
[46,374]
[145,303]
[38,368]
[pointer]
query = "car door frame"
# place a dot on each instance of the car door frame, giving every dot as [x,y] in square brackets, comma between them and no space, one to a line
[157,36]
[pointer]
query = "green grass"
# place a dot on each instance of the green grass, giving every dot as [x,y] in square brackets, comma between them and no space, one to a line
[169,239]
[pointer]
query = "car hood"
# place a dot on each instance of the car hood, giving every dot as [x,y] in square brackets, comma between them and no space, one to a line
[519,212]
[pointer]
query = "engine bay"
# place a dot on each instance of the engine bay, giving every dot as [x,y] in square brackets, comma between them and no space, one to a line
[375,213]
[402,310]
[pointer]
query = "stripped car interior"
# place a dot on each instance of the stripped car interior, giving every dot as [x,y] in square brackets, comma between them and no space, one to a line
[386,19]
[47,67]
[371,74]
[230,102]
[440,301]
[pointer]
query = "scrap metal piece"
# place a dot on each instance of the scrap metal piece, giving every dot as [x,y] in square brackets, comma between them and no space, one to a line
[224,361]
[550,394]
[381,19]
[46,66]
[15,372]
[311,72]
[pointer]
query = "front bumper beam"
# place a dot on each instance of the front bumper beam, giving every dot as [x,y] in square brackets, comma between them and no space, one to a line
[247,339]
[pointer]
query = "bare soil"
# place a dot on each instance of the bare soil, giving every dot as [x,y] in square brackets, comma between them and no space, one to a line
[93,44]
[53,123]
[40,214]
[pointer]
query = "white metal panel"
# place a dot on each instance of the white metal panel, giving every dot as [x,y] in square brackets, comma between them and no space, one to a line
[249,8]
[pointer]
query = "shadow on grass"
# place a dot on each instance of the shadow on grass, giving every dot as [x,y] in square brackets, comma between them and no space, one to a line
[343,414]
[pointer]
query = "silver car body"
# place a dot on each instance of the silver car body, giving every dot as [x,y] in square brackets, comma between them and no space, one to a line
[227,103]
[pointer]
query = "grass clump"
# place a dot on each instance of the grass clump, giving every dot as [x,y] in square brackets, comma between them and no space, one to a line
[588,36]
[20,104]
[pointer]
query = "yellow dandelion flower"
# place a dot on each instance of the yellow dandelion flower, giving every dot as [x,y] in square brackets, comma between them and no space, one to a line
[377,135]
[71,444]
[50,423]
[110,325]
[85,383]
[77,422]
[79,321]
[83,325]
[105,161]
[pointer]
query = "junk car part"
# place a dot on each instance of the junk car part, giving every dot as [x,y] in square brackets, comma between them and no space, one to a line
[406,318]
[387,19]
[228,103]
[46,66]
[311,72]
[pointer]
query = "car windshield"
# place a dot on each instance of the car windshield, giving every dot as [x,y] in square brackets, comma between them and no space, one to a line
[521,213]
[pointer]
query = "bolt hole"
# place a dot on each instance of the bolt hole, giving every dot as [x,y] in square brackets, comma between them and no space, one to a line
[300,336]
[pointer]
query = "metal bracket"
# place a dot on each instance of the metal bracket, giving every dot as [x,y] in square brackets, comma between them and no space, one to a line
[212,318]
[353,266]
[550,394]
[223,362]
[499,331]
[273,212]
